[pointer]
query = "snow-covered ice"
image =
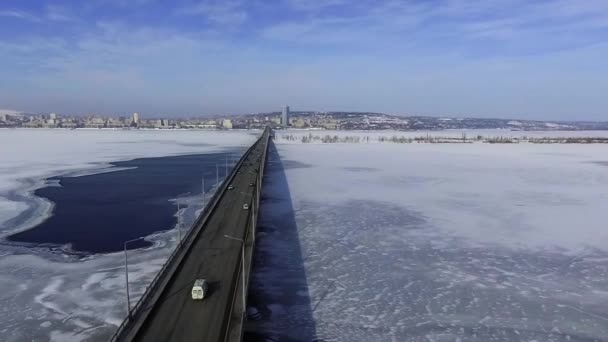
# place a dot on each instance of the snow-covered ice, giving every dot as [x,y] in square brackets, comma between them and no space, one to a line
[425,242]
[386,242]
[45,296]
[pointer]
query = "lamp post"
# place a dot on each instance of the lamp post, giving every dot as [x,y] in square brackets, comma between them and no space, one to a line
[203,190]
[179,221]
[127,275]
[179,224]
[243,271]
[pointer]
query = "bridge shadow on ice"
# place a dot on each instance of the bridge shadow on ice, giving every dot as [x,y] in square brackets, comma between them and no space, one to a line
[279,305]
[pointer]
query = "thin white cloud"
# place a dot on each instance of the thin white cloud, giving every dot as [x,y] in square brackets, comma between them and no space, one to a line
[222,13]
[380,22]
[33,46]
[58,13]
[316,5]
[52,13]
[119,3]
[525,25]
[19,15]
[319,31]
[109,52]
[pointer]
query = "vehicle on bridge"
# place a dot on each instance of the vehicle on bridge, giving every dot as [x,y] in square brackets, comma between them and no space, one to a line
[200,289]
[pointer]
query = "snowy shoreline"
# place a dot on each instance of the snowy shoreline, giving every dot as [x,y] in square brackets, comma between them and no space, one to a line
[35,209]
[454,136]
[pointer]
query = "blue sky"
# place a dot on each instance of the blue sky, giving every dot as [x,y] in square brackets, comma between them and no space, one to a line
[487,58]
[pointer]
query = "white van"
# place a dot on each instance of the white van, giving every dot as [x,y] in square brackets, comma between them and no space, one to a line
[199,290]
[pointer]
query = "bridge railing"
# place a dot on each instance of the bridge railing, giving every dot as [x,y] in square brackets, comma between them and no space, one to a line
[184,245]
[250,229]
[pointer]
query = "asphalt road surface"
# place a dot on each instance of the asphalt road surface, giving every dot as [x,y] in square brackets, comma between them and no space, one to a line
[176,317]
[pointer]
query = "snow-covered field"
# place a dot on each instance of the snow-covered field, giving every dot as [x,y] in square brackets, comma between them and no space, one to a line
[425,242]
[46,297]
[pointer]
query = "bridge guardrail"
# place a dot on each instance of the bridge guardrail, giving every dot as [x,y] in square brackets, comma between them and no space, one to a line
[250,229]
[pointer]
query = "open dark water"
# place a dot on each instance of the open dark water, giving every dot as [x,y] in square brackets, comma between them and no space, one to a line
[98,213]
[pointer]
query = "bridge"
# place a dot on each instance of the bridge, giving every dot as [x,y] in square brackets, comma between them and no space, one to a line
[219,248]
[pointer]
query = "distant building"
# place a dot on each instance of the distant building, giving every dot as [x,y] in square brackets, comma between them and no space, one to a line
[161,123]
[53,116]
[114,123]
[285,116]
[136,118]
[227,123]
[69,124]
[95,123]
[299,123]
[7,114]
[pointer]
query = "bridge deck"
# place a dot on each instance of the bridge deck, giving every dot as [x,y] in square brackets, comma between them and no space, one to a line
[175,316]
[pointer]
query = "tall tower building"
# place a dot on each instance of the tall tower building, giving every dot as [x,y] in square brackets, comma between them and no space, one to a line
[285,116]
[136,118]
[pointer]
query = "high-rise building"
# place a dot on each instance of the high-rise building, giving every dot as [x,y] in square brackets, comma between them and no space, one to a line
[136,118]
[285,116]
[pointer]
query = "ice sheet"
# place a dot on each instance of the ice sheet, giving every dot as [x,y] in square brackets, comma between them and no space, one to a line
[532,196]
[452,242]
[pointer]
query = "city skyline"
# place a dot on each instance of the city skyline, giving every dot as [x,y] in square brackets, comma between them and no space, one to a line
[541,60]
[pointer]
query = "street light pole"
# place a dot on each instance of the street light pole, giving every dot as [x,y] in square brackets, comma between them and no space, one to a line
[243,271]
[203,190]
[179,224]
[253,218]
[127,275]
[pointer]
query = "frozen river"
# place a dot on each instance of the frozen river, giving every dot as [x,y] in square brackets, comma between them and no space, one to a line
[424,242]
[357,242]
